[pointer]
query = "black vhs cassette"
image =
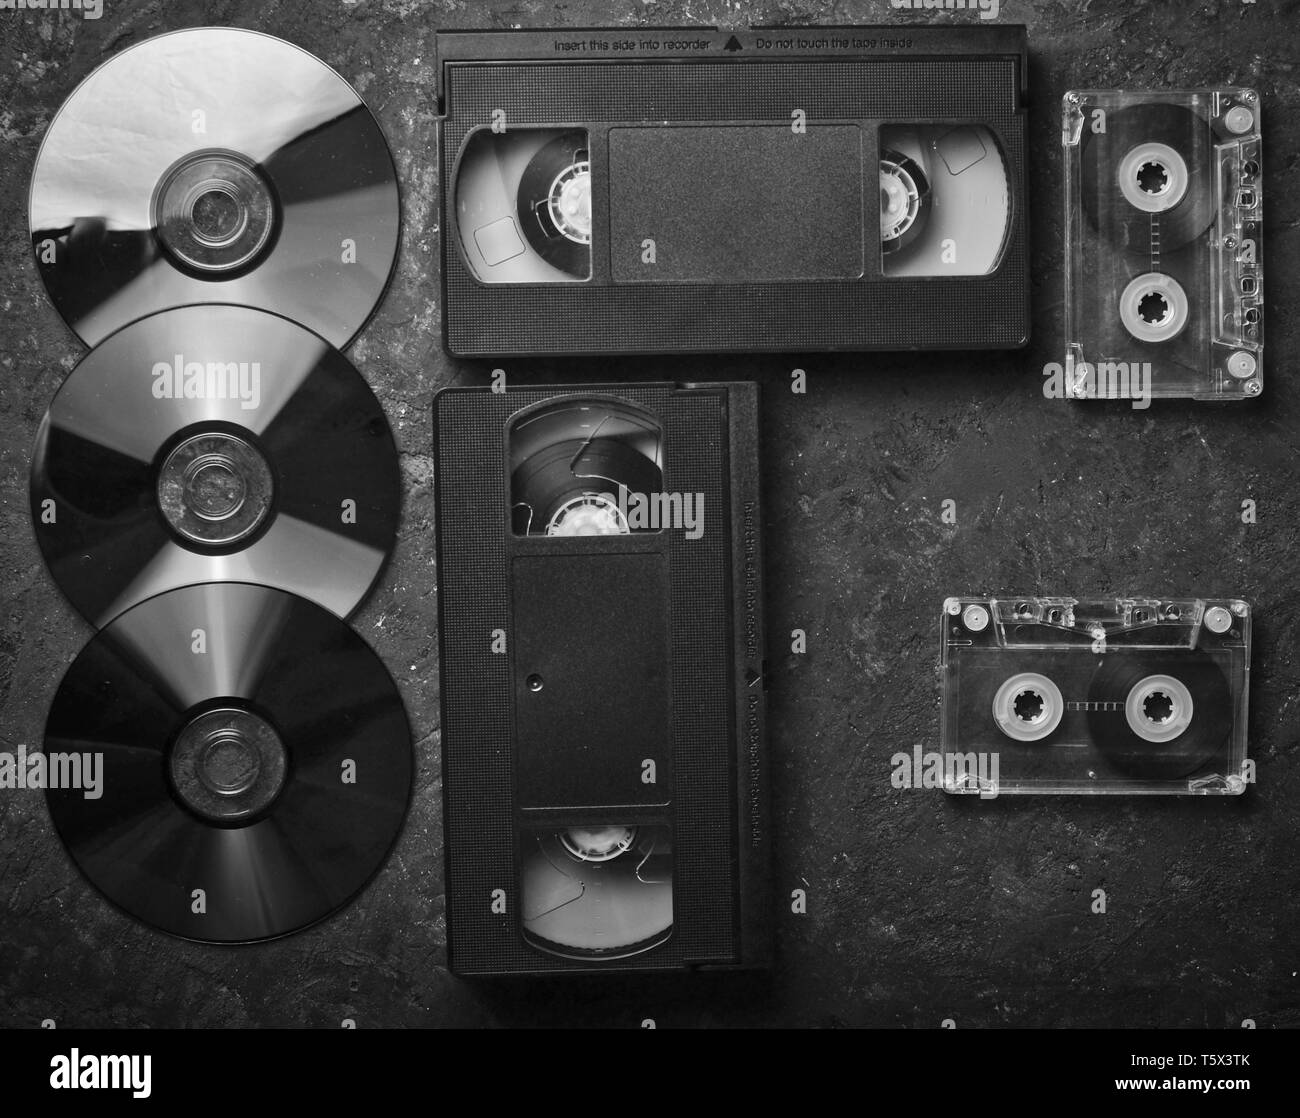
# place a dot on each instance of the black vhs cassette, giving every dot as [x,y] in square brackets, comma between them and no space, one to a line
[600,626]
[696,190]
[1164,260]
[1129,695]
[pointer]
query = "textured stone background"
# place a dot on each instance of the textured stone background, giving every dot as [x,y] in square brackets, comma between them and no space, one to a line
[920,907]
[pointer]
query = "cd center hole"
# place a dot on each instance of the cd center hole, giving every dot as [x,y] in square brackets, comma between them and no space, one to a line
[1153,307]
[1158,707]
[1029,706]
[230,765]
[214,488]
[217,215]
[1153,178]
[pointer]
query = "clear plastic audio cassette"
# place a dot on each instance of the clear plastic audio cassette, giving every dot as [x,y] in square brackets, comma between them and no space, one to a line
[1163,217]
[1124,695]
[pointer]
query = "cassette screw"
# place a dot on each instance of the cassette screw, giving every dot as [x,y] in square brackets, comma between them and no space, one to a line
[1253,388]
[1218,619]
[976,618]
[1229,241]
[1239,608]
[952,607]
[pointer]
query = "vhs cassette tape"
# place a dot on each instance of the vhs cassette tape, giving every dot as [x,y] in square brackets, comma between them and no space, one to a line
[1163,218]
[601,635]
[697,190]
[1130,695]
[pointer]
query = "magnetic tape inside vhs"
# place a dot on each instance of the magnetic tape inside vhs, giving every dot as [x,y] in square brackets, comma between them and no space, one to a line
[703,191]
[600,624]
[1133,695]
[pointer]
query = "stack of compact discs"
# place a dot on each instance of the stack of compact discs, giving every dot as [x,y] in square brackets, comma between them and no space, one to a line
[215,487]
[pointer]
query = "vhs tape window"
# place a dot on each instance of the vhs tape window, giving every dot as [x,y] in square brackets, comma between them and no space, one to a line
[584,468]
[598,890]
[945,202]
[523,205]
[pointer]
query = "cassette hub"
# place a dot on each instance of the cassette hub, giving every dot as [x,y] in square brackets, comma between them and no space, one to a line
[569,200]
[1159,708]
[598,844]
[1153,177]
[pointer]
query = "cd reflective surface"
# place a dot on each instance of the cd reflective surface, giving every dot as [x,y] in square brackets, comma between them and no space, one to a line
[215,165]
[256,762]
[214,444]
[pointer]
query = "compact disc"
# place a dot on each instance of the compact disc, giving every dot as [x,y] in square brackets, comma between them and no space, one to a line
[1146,178]
[214,165]
[1158,716]
[598,891]
[256,762]
[214,444]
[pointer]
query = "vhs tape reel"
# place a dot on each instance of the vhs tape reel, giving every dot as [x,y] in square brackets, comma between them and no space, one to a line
[600,626]
[1164,283]
[852,188]
[1131,695]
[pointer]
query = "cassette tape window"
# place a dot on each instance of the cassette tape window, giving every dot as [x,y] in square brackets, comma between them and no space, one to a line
[945,200]
[523,205]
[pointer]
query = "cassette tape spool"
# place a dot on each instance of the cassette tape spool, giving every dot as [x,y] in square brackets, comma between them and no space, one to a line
[664,200]
[1164,284]
[603,769]
[1116,696]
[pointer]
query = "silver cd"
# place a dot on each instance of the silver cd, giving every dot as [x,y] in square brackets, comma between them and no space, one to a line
[214,165]
[214,444]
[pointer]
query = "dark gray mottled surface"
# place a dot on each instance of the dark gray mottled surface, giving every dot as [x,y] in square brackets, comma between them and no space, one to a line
[920,908]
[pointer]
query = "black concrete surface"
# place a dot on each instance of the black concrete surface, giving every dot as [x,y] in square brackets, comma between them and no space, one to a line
[920,908]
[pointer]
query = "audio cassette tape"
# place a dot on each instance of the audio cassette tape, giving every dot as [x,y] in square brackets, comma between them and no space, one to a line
[601,637]
[1163,218]
[1129,695]
[696,190]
